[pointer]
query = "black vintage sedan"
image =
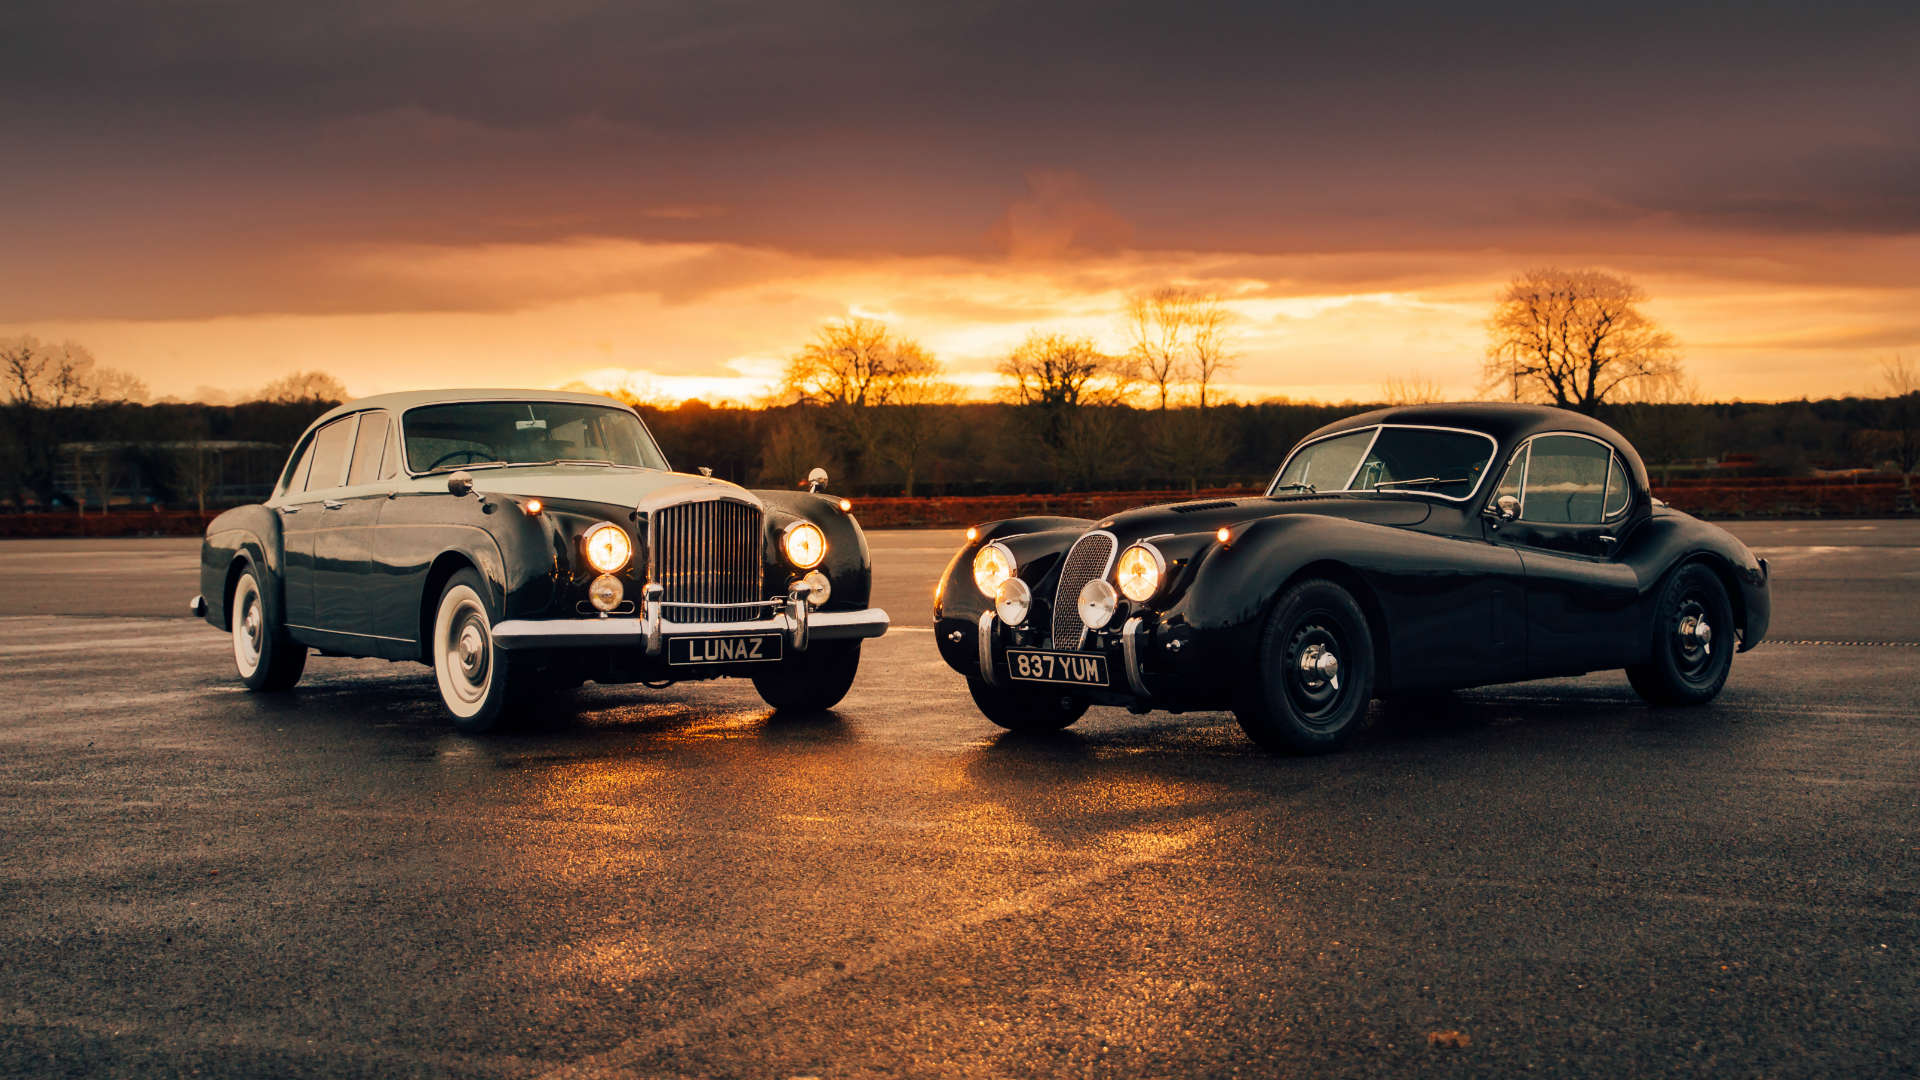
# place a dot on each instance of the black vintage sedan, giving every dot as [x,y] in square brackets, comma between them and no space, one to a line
[521,542]
[1404,550]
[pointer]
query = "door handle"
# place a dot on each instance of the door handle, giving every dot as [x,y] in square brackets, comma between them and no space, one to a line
[1609,540]
[289,509]
[332,504]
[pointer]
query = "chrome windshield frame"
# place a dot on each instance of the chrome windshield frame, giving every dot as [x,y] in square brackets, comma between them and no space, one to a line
[1493,450]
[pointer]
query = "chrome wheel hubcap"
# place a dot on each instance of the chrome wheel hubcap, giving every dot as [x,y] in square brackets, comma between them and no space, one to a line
[1319,666]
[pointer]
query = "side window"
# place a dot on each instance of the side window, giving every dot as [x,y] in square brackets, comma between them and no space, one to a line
[1618,493]
[297,472]
[1566,481]
[330,454]
[367,448]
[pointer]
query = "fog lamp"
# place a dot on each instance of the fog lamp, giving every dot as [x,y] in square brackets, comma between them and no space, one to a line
[1012,600]
[606,592]
[1098,601]
[820,589]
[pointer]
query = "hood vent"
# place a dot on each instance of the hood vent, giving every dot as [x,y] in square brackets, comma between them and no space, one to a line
[1194,508]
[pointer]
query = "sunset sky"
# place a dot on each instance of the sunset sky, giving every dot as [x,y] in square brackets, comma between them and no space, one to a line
[672,196]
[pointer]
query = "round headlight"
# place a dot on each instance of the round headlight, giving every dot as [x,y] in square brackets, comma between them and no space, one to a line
[1097,603]
[992,565]
[608,547]
[804,544]
[605,593]
[1140,571]
[1012,600]
[821,587]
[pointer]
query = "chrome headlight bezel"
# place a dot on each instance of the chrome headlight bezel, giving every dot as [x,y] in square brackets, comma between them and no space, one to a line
[603,559]
[796,534]
[1134,587]
[989,578]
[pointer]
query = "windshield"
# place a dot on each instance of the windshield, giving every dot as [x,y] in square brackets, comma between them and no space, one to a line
[1430,460]
[482,433]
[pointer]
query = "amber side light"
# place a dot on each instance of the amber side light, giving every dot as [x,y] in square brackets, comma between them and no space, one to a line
[1225,535]
[972,534]
[532,506]
[846,504]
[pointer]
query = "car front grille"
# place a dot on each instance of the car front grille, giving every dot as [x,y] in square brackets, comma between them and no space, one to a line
[1088,559]
[705,554]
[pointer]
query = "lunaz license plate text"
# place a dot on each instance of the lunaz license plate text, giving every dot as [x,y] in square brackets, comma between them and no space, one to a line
[723,649]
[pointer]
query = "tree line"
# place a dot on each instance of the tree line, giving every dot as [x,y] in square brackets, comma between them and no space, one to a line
[879,411]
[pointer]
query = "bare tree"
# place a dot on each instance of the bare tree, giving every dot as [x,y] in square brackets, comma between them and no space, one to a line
[1897,439]
[856,362]
[1212,345]
[44,385]
[794,444]
[303,386]
[1574,338]
[1414,388]
[1177,335]
[1055,371]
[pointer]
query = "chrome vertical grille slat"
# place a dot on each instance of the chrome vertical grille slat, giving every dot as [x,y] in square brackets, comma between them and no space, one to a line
[707,553]
[1089,558]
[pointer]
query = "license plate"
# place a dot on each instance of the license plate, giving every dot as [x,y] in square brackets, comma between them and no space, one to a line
[1079,669]
[723,649]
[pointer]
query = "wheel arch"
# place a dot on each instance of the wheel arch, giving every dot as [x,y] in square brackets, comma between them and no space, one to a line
[1355,583]
[442,569]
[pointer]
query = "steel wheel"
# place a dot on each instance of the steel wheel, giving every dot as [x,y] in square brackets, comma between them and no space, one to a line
[471,670]
[249,626]
[1692,648]
[1313,678]
[263,654]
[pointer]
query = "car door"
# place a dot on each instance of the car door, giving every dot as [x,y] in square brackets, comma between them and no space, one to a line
[1580,599]
[314,480]
[345,597]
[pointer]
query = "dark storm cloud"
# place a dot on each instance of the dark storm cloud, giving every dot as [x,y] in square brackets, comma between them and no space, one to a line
[146,135]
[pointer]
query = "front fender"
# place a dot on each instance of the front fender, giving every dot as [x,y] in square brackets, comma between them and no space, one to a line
[848,564]
[1037,544]
[1670,538]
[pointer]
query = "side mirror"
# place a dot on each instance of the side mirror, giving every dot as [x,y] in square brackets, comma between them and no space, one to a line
[1506,508]
[816,479]
[460,482]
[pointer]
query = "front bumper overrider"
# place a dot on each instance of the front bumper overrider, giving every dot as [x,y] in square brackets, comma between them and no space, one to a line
[792,617]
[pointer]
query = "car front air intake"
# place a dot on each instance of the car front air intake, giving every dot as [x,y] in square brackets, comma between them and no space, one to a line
[1089,558]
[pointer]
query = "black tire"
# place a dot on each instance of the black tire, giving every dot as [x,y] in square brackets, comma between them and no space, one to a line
[1295,702]
[475,676]
[810,681]
[1026,710]
[1686,668]
[266,658]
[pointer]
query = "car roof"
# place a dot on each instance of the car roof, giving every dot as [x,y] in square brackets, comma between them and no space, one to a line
[408,399]
[1506,422]
[1509,424]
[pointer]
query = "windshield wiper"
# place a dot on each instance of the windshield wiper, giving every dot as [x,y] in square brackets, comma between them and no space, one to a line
[1423,481]
[470,466]
[1308,488]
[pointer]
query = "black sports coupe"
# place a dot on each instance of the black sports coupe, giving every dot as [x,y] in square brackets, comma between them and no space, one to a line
[1408,549]
[524,541]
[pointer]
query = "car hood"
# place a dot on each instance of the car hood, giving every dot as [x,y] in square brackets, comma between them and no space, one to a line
[1210,514]
[615,487]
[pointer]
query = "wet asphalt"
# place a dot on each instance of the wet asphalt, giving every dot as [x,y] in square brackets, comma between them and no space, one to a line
[1543,879]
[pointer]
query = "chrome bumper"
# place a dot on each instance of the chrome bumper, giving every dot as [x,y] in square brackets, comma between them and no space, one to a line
[793,617]
[1130,635]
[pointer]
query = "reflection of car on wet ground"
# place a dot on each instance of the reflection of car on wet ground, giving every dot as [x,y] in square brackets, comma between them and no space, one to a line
[1402,550]
[520,541]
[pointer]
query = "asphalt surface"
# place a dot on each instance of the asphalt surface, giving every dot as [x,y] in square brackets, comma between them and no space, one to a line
[198,880]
